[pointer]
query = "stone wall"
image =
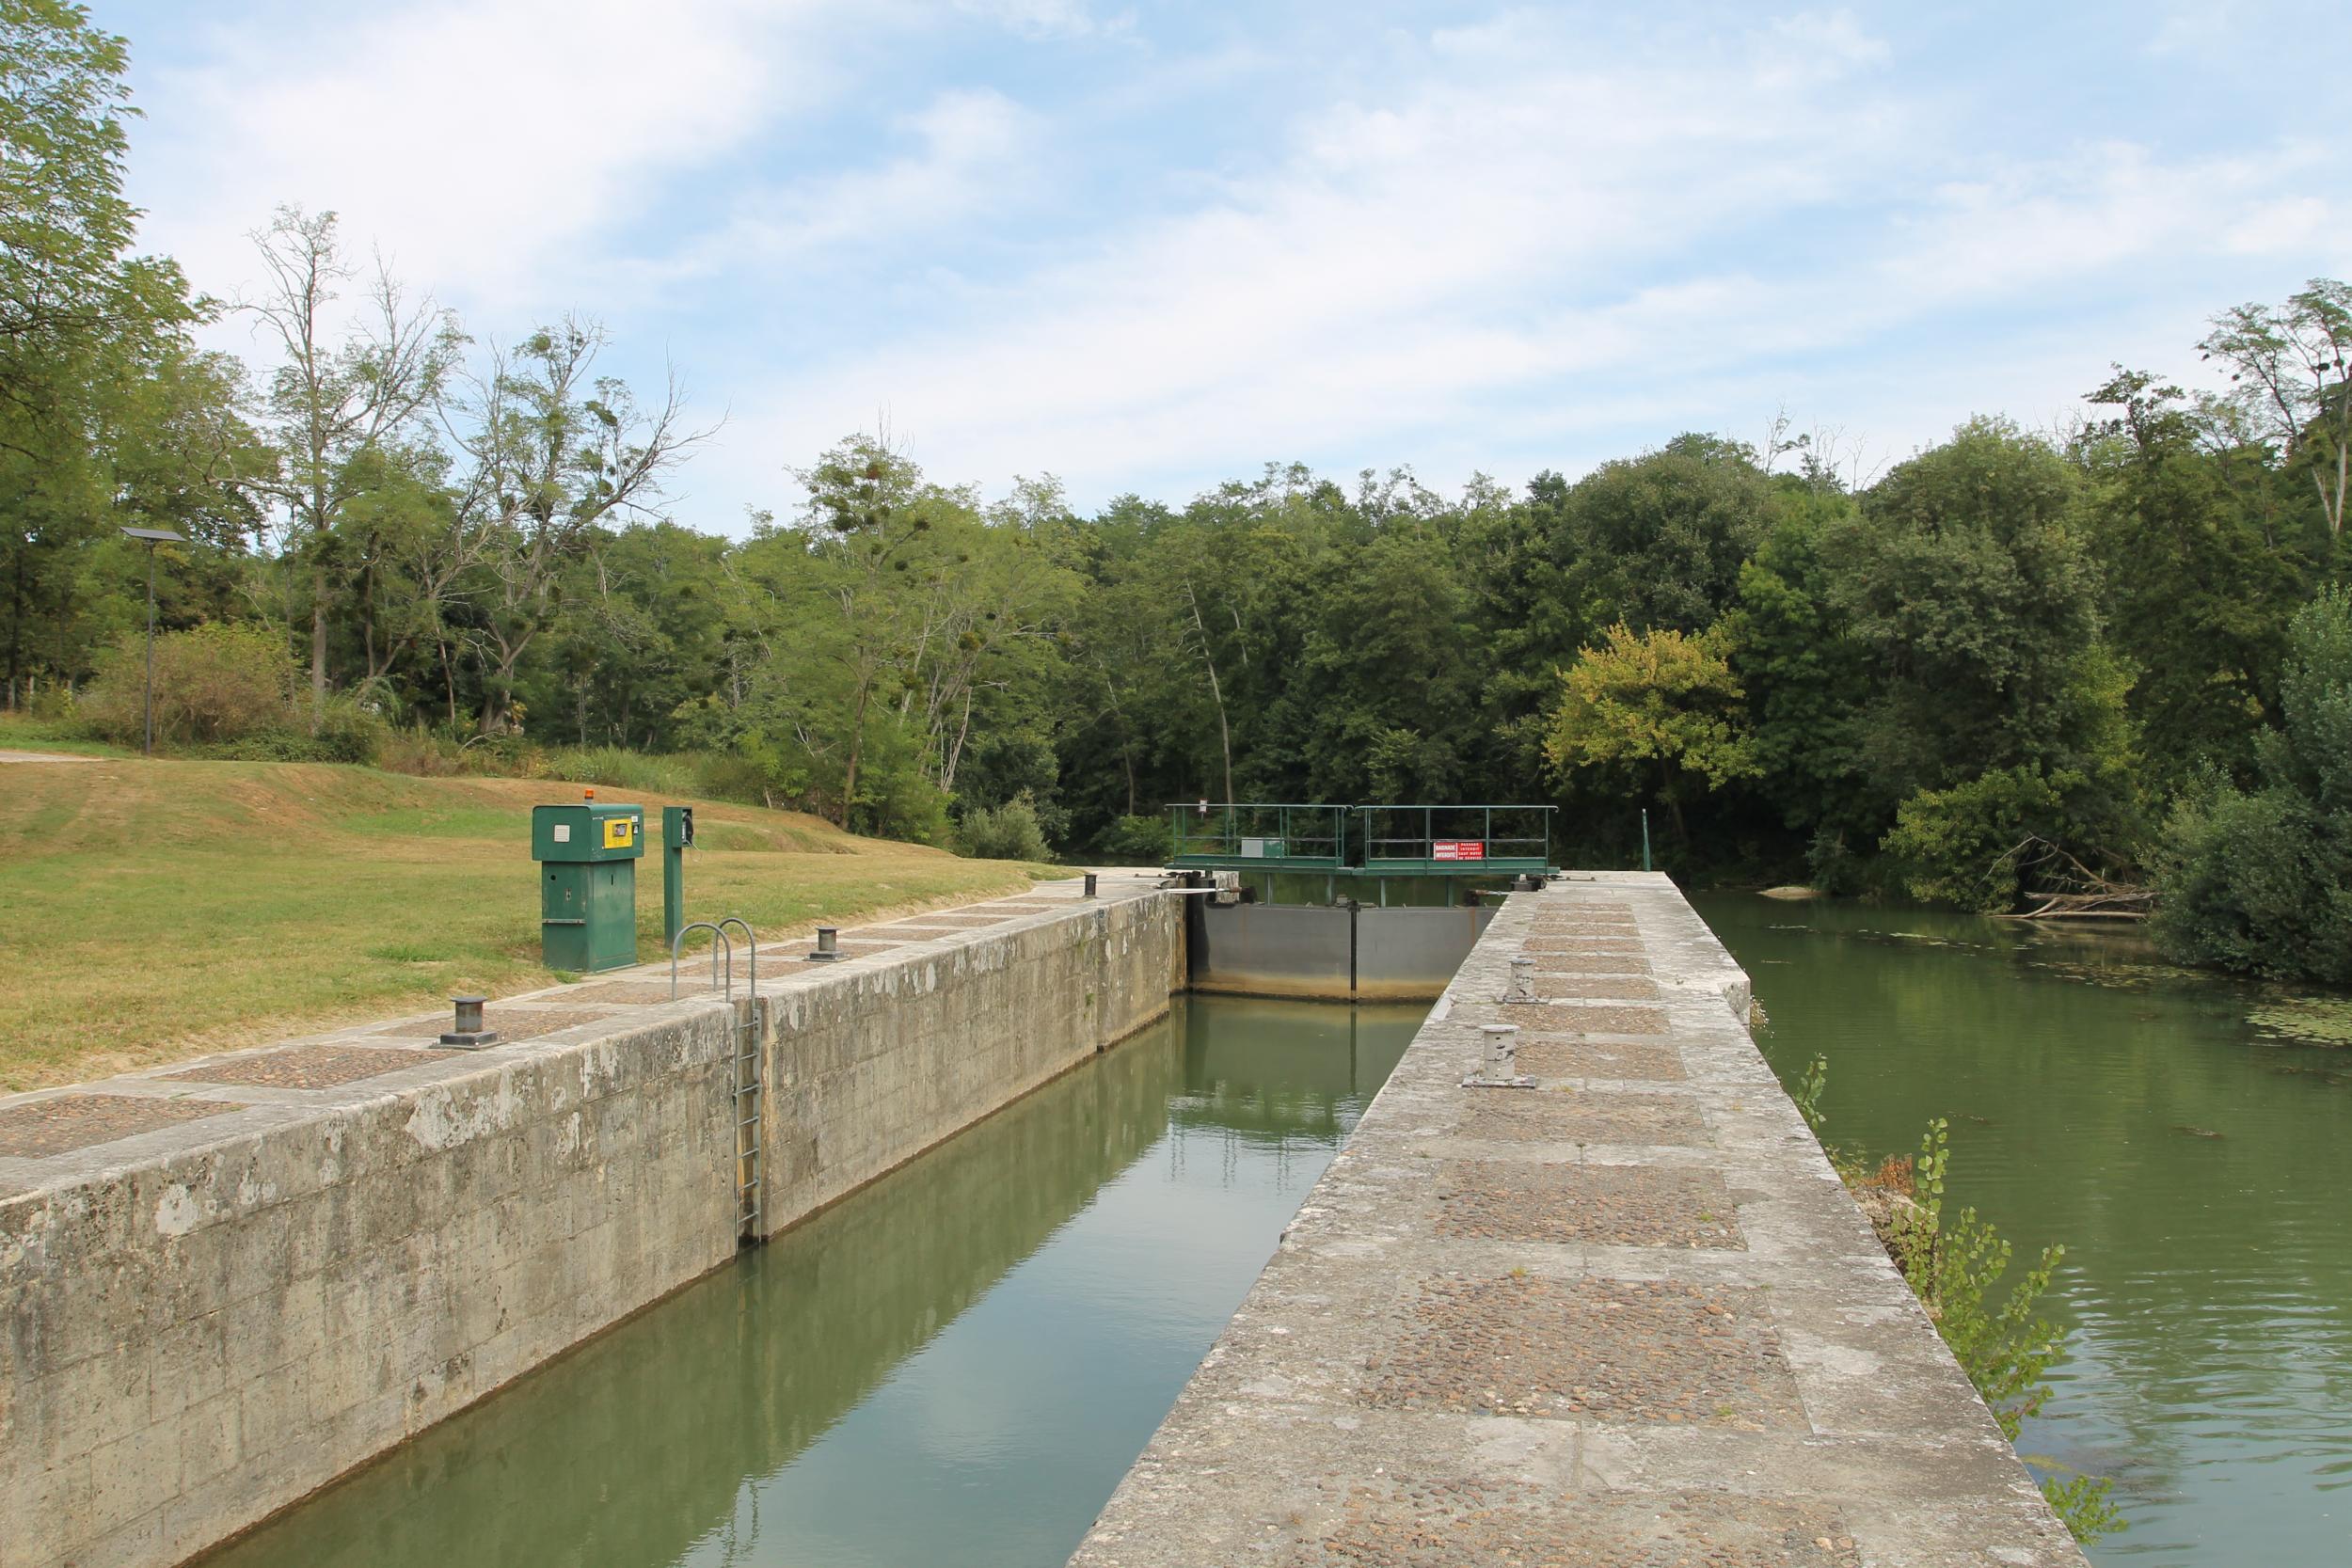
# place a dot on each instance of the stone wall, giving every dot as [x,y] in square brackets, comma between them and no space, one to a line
[275,1276]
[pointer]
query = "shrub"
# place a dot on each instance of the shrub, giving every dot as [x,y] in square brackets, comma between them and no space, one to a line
[2013,832]
[2260,880]
[1007,833]
[1139,841]
[215,683]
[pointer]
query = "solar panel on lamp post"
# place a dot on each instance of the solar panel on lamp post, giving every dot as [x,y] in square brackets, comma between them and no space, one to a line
[152,537]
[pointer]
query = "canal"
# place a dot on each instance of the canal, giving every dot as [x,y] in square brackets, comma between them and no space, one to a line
[2187,1137]
[955,1365]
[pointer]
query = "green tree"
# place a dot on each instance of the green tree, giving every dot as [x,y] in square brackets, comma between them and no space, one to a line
[1656,706]
[2260,881]
[1967,577]
[2198,590]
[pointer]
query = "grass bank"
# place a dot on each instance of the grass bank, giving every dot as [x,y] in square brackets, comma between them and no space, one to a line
[154,910]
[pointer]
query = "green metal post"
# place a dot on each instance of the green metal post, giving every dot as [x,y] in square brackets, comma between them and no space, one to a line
[1646,838]
[677,834]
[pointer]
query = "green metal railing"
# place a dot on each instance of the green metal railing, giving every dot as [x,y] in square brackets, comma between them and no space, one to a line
[1457,838]
[1260,833]
[1454,840]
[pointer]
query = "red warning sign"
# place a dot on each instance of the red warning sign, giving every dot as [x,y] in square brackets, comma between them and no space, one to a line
[1460,849]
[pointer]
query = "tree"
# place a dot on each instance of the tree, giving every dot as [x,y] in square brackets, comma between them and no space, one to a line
[2260,880]
[338,401]
[556,449]
[2200,593]
[1659,704]
[1967,578]
[1806,675]
[2291,380]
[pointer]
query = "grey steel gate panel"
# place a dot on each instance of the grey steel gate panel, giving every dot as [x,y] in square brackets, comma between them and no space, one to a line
[1271,950]
[1409,953]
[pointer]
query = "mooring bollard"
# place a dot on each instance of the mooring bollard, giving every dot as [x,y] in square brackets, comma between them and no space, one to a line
[469,1034]
[1522,981]
[828,945]
[1089,893]
[1499,1068]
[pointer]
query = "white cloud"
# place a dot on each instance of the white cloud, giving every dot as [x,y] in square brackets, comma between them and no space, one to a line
[970,148]
[483,143]
[1042,19]
[1549,231]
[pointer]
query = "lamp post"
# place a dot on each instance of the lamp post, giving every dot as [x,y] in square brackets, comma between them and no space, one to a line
[152,537]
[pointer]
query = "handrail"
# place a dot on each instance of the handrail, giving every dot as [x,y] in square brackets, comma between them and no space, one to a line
[718,940]
[751,947]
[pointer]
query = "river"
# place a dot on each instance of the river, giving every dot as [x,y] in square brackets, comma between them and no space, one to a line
[2188,1138]
[954,1366]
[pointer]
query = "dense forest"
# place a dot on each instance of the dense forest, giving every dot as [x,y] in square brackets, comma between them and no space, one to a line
[2020,666]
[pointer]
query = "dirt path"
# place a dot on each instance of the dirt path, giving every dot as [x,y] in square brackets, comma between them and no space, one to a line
[45,756]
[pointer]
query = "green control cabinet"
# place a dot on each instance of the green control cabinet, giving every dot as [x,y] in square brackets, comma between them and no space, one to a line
[588,856]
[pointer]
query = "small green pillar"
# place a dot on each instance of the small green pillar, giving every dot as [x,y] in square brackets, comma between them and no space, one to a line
[678,836]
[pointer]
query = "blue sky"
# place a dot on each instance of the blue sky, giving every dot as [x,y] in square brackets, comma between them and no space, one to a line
[1147,248]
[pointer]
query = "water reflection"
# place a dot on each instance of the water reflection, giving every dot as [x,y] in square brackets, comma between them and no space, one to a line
[955,1365]
[2196,1162]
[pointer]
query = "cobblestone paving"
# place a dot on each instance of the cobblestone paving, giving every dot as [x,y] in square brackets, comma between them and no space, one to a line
[511,1022]
[1550,1056]
[1412,1522]
[1603,926]
[1612,963]
[1557,1116]
[72,1121]
[693,985]
[1606,1205]
[947,921]
[1628,945]
[307,1066]
[1548,1014]
[1574,1019]
[1612,1350]
[1610,988]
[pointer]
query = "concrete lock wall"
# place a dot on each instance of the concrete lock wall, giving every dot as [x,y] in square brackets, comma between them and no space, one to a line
[203,1332]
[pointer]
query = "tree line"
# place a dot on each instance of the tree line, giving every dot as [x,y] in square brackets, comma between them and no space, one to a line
[2019,667]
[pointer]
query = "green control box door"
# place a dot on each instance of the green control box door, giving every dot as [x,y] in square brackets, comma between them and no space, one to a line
[587,856]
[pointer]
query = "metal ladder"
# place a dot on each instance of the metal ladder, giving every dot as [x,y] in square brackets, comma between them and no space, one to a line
[747,1084]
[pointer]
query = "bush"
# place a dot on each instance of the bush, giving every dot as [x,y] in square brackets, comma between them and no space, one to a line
[2261,881]
[1139,841]
[2013,832]
[217,683]
[1008,833]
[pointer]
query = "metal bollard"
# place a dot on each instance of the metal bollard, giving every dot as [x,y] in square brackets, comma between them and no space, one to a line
[1522,981]
[469,1034]
[1089,893]
[1499,1068]
[828,945]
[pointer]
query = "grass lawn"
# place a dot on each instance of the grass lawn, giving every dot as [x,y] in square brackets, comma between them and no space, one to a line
[154,910]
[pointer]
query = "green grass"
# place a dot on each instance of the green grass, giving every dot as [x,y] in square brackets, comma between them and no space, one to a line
[22,733]
[156,911]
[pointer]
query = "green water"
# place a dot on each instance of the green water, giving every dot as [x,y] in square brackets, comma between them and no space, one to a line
[956,1366]
[2189,1140]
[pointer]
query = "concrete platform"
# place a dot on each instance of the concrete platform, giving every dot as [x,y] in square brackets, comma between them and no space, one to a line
[1627,1316]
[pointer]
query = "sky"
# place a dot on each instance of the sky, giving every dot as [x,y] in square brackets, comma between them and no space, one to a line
[1148,247]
